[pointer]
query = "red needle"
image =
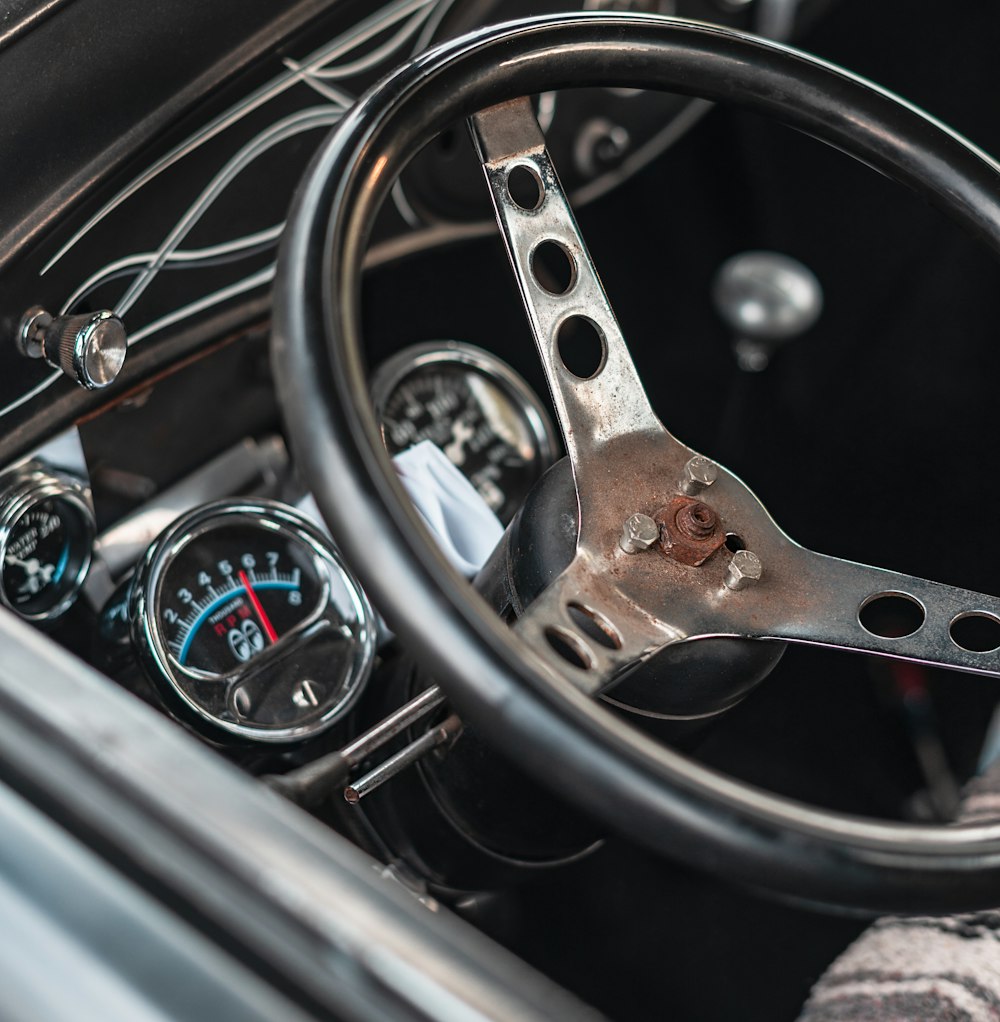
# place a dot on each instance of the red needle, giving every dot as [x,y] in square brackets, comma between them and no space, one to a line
[264,619]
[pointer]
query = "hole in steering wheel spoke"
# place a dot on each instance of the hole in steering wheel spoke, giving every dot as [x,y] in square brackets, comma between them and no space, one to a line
[525,188]
[581,346]
[891,615]
[570,647]
[594,625]
[553,267]
[976,633]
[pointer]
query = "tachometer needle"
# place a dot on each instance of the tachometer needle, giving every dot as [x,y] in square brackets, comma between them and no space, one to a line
[261,613]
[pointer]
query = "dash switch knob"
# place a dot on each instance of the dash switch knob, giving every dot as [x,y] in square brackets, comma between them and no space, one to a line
[89,348]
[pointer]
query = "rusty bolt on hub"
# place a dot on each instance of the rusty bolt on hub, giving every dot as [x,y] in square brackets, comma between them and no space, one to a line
[691,531]
[696,520]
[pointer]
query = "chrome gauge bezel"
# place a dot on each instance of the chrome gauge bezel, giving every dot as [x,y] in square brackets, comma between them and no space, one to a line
[391,373]
[20,492]
[167,674]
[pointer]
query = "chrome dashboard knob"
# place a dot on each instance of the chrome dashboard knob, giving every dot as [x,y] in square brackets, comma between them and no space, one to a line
[89,348]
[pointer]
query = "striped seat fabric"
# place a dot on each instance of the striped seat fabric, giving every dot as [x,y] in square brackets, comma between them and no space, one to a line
[920,968]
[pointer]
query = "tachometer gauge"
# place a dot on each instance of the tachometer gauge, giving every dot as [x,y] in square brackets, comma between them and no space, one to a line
[46,536]
[248,622]
[476,409]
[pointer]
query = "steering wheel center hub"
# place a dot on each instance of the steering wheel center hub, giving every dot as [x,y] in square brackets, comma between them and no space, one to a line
[690,531]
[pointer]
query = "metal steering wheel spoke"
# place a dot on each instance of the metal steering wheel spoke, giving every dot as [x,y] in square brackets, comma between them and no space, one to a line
[587,631]
[819,600]
[623,458]
[595,387]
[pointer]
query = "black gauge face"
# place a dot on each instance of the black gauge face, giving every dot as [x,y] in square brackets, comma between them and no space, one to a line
[249,622]
[46,550]
[224,601]
[493,432]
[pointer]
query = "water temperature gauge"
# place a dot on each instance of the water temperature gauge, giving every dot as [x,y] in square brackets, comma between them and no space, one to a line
[46,534]
[247,621]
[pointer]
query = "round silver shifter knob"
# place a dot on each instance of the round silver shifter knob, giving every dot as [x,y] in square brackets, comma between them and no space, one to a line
[89,348]
[767,299]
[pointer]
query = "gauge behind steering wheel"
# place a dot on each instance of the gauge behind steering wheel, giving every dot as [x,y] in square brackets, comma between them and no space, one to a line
[509,682]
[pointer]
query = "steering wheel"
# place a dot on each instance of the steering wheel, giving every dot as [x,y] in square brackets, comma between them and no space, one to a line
[641,587]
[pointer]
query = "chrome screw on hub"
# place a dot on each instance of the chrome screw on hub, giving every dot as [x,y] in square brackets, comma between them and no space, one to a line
[744,570]
[640,532]
[699,473]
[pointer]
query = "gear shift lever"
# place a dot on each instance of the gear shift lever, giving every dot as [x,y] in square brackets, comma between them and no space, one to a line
[767,299]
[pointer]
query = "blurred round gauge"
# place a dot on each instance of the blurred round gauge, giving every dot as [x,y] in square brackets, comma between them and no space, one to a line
[46,534]
[476,409]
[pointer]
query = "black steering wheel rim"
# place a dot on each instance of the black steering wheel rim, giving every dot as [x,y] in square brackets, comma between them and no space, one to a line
[656,796]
